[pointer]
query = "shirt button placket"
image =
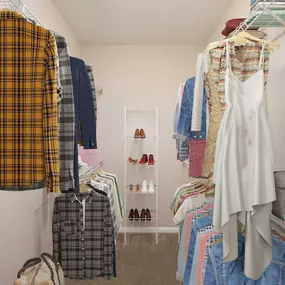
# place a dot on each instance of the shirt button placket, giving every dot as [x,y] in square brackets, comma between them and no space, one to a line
[82,245]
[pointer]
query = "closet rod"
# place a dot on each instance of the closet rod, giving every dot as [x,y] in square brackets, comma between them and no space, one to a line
[19,6]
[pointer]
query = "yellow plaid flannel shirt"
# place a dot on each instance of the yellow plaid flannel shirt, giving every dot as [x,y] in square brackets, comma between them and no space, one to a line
[28,105]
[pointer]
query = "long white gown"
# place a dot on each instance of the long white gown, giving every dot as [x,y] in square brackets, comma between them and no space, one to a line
[243,171]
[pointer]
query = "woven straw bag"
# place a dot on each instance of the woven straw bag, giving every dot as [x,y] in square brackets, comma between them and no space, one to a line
[279,204]
[41,271]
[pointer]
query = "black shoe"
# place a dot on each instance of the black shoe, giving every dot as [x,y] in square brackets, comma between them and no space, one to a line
[148,215]
[137,215]
[131,215]
[143,215]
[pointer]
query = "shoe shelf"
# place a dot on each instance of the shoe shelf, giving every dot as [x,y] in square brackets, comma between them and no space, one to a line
[140,209]
[142,165]
[146,164]
[141,220]
[135,185]
[140,191]
[140,139]
[141,144]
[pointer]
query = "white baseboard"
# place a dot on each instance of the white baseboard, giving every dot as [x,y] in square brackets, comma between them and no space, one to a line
[170,230]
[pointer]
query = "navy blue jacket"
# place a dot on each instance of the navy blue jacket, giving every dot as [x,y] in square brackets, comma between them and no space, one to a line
[83,104]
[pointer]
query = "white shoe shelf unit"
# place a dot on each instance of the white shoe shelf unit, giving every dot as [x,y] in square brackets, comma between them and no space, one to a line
[146,119]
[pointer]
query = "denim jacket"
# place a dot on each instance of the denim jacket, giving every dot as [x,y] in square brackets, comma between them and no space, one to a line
[185,119]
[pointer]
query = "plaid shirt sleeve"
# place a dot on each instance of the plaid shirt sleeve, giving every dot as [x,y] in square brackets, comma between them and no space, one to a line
[56,231]
[50,121]
[108,243]
[66,116]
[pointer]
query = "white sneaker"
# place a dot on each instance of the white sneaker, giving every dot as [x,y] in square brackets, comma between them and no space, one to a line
[144,187]
[150,187]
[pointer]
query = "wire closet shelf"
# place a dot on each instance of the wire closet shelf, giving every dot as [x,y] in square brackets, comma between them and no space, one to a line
[264,14]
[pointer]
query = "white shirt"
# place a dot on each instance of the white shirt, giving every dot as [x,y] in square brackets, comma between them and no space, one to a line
[188,204]
[202,68]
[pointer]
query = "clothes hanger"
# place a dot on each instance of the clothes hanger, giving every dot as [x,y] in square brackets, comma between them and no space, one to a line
[236,40]
[84,188]
[255,39]
[195,182]
[242,39]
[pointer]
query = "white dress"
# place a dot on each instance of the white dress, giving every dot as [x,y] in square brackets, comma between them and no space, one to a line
[243,171]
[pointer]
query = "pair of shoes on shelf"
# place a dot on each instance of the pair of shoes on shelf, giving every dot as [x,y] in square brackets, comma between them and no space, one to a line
[145,159]
[147,188]
[134,215]
[139,134]
[135,187]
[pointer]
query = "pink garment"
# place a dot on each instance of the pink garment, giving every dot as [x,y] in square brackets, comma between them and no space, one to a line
[196,157]
[188,228]
[203,243]
[90,156]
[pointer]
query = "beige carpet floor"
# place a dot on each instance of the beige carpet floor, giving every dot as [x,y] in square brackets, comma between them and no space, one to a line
[142,262]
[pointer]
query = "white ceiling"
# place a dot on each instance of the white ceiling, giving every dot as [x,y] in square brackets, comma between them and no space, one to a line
[142,22]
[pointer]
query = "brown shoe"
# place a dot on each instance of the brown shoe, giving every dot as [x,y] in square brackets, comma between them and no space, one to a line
[138,187]
[142,134]
[137,134]
[148,215]
[143,215]
[133,161]
[131,186]
[131,215]
[137,215]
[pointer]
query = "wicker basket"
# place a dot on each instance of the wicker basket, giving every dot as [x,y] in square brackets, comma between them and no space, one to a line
[279,204]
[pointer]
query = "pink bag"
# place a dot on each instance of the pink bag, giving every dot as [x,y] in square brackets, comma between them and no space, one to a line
[196,157]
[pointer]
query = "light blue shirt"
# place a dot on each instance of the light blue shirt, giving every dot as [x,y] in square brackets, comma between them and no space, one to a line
[185,118]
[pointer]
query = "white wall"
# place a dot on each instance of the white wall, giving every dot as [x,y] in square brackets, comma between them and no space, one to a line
[237,9]
[48,14]
[25,230]
[141,77]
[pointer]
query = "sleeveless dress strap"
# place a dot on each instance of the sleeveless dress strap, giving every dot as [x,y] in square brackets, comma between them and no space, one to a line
[262,57]
[228,49]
